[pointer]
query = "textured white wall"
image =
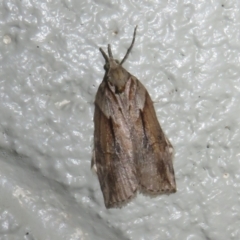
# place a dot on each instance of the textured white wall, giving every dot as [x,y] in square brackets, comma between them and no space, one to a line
[187,54]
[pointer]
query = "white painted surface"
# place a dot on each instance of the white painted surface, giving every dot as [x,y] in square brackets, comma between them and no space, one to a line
[187,54]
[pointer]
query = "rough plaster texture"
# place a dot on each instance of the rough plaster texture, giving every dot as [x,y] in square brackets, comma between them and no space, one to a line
[187,54]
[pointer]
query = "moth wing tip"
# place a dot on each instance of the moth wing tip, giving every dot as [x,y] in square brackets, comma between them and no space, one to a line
[156,192]
[122,203]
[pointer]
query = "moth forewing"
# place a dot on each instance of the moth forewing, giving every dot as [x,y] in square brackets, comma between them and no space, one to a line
[114,162]
[131,152]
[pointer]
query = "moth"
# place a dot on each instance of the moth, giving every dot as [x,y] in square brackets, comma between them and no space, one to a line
[131,152]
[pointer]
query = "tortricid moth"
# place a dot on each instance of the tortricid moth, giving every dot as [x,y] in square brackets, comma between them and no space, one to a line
[131,152]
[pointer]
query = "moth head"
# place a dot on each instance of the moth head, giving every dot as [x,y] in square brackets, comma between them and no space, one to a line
[116,75]
[107,65]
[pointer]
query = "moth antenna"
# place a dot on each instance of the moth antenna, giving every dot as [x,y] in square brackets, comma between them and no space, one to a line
[131,46]
[104,55]
[110,51]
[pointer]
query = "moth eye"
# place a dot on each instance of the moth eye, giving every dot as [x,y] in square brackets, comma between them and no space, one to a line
[116,61]
[106,66]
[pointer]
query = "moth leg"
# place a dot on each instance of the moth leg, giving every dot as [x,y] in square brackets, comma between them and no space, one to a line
[93,162]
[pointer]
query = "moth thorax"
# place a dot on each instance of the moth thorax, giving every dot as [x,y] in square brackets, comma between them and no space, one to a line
[118,77]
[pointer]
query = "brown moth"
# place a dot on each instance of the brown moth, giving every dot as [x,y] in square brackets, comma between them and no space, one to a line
[131,152]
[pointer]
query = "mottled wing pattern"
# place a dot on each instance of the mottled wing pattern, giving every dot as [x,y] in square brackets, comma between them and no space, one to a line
[112,158]
[154,152]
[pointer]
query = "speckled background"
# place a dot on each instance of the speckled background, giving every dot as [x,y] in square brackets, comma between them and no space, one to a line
[187,54]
